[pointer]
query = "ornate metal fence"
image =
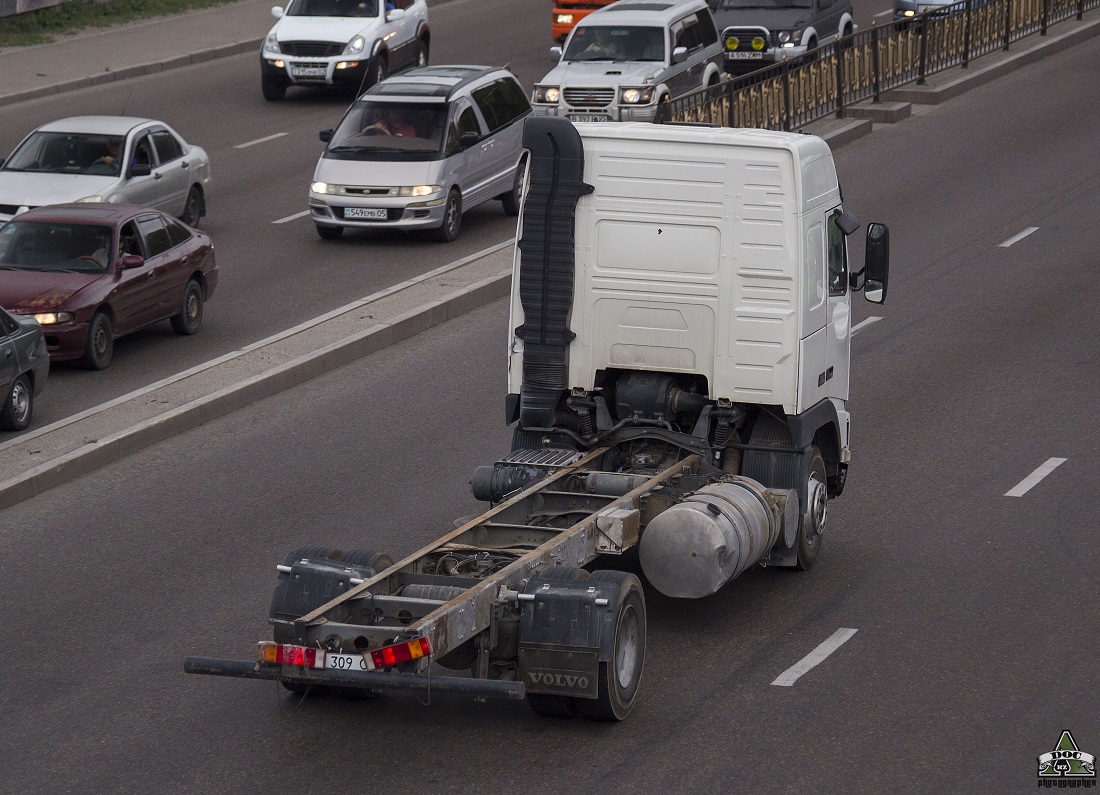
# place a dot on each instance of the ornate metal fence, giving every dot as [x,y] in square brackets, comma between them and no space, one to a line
[865,64]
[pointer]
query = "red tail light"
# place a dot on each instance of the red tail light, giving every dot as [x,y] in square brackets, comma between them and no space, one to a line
[400,652]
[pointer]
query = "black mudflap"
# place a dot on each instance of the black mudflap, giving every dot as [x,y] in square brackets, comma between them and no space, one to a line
[546,270]
[784,467]
[560,636]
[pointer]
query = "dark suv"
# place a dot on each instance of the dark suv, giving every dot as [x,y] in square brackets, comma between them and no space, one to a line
[759,33]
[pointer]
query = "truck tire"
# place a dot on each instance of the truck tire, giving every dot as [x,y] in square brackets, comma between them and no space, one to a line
[812,527]
[621,675]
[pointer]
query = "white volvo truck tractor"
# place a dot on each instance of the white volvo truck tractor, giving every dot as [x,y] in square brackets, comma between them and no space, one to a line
[677,374]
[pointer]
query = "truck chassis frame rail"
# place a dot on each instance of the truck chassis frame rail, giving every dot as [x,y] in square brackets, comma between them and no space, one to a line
[460,597]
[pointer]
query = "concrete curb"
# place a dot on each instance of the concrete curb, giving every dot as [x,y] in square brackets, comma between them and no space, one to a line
[191,415]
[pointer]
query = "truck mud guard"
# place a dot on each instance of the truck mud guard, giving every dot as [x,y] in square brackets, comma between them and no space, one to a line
[546,266]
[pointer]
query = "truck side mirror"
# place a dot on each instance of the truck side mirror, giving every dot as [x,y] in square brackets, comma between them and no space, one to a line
[325,135]
[877,263]
[679,54]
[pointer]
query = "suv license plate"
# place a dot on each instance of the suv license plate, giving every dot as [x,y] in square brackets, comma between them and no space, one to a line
[307,71]
[589,118]
[365,212]
[745,56]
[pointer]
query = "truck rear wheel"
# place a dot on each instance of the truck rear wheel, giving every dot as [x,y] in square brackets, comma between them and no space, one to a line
[621,675]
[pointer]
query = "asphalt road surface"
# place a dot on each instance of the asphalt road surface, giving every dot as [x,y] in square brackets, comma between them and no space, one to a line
[276,275]
[976,613]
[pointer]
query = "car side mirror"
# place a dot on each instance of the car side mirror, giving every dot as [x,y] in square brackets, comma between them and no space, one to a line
[395,14]
[556,51]
[468,139]
[277,12]
[877,263]
[132,261]
[140,170]
[679,54]
[325,135]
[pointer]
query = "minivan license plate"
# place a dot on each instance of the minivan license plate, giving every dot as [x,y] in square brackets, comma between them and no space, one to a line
[365,212]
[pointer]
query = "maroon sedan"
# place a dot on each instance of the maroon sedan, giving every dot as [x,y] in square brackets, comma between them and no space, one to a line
[89,273]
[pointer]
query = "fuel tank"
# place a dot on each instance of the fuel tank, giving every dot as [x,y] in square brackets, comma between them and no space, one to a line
[702,542]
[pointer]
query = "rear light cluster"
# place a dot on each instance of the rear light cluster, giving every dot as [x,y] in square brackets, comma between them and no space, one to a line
[305,657]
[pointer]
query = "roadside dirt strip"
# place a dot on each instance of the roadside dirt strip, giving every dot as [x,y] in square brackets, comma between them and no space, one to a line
[46,457]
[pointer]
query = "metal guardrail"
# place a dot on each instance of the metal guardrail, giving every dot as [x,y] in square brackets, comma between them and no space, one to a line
[863,65]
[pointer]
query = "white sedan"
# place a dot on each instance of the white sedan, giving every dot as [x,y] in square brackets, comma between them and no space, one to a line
[106,159]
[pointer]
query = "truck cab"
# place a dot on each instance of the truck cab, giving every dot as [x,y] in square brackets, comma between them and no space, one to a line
[705,292]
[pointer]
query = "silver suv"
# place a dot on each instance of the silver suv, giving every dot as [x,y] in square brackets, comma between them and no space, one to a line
[624,60]
[418,149]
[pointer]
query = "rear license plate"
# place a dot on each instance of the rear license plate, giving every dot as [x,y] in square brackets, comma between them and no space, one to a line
[589,118]
[745,56]
[346,662]
[366,213]
[307,71]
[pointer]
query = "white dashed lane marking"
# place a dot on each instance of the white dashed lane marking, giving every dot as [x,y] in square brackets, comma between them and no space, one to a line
[294,217]
[814,658]
[1016,238]
[263,140]
[1032,480]
[865,323]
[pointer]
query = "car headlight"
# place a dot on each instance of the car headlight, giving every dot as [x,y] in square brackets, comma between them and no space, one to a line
[355,45]
[564,19]
[419,190]
[547,94]
[96,198]
[271,43]
[790,38]
[53,318]
[322,187]
[637,96]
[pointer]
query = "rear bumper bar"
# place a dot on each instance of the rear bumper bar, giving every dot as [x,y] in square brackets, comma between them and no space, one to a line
[373,680]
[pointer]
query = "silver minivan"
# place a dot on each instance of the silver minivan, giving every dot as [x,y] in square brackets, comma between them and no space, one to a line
[419,149]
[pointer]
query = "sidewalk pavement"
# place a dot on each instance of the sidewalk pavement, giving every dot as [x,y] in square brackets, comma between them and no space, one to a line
[45,457]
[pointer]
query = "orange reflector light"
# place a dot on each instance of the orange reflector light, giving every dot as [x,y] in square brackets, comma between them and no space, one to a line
[400,652]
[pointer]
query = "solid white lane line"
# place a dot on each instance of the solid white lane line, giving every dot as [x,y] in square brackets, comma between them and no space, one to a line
[1016,238]
[263,140]
[865,323]
[1032,480]
[294,217]
[816,657]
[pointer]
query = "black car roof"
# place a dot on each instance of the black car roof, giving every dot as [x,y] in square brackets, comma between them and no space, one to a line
[438,81]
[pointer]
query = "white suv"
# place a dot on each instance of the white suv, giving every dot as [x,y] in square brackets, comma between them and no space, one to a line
[349,43]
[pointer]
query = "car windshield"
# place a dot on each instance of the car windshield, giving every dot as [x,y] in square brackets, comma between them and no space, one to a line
[389,130]
[606,43]
[45,246]
[333,8]
[733,5]
[69,153]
